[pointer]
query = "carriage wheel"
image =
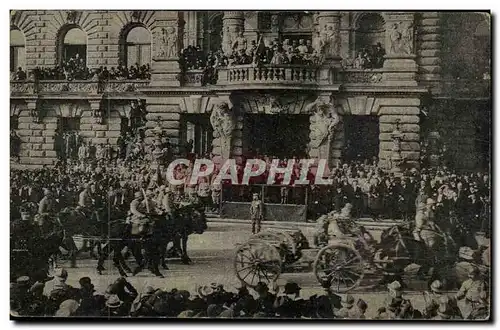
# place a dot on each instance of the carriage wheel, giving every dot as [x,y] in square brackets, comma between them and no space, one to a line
[276,238]
[257,261]
[342,263]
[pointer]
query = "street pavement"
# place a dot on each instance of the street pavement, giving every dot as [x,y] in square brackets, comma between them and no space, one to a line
[212,256]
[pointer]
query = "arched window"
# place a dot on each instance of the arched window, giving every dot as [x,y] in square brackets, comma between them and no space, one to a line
[74,47]
[17,50]
[369,41]
[138,46]
[213,31]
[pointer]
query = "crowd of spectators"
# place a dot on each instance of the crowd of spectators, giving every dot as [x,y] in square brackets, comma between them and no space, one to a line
[193,58]
[121,299]
[295,52]
[75,69]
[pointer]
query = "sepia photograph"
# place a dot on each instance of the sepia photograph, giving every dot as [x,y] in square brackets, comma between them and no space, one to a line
[252,164]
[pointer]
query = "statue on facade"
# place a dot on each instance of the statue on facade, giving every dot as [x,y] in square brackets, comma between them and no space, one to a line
[223,124]
[239,44]
[395,39]
[323,122]
[168,43]
[406,38]
[274,23]
[329,41]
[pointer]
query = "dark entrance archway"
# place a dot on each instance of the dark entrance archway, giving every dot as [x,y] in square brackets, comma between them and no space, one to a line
[361,138]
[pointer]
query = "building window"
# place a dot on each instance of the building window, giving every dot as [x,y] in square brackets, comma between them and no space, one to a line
[213,40]
[138,47]
[197,134]
[74,47]
[369,47]
[69,124]
[17,50]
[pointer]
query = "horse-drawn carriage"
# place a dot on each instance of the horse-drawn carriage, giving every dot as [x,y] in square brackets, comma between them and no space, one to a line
[343,261]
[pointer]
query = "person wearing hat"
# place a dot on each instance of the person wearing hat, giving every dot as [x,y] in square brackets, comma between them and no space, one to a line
[256,213]
[265,300]
[124,290]
[46,206]
[114,307]
[57,289]
[290,305]
[347,307]
[143,304]
[90,302]
[475,293]
[22,242]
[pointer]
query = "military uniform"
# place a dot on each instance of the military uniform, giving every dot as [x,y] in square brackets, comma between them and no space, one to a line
[475,294]
[256,214]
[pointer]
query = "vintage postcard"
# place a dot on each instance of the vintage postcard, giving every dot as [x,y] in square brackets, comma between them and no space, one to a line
[250,164]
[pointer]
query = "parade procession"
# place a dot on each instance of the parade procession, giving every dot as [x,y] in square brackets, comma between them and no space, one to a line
[257,164]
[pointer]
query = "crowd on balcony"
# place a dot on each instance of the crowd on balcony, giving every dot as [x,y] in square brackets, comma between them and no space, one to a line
[367,58]
[296,52]
[75,69]
[193,58]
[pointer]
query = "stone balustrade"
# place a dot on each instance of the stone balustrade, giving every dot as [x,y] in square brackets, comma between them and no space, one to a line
[268,75]
[76,86]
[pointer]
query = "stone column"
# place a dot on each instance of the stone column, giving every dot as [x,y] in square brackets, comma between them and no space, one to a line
[328,26]
[233,23]
[428,51]
[400,68]
[167,46]
[191,28]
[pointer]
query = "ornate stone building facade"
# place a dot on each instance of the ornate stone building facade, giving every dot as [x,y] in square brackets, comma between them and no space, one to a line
[434,77]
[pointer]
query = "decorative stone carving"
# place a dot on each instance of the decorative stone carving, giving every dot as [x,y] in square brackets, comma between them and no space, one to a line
[330,40]
[22,87]
[401,38]
[275,23]
[223,123]
[240,42]
[168,45]
[71,16]
[123,86]
[323,122]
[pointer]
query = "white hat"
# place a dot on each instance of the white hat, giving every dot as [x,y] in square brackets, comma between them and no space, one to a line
[394,286]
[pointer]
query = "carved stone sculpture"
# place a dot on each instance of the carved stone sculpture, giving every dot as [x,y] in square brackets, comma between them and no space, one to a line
[240,43]
[168,43]
[323,122]
[223,123]
[330,41]
[401,38]
[274,23]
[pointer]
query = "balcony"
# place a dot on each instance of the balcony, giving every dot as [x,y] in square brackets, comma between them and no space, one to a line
[269,75]
[83,87]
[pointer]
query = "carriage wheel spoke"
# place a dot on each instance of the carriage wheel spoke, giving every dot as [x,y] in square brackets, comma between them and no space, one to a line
[355,274]
[249,272]
[244,268]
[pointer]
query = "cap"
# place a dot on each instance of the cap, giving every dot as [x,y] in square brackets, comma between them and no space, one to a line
[395,286]
[437,286]
[291,288]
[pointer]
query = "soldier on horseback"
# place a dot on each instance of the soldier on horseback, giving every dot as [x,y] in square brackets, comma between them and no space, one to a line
[143,213]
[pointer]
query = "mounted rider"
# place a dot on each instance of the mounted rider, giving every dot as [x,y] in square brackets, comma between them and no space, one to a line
[47,205]
[424,219]
[141,208]
[85,200]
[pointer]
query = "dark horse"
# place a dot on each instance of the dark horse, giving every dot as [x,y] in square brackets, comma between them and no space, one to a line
[398,245]
[185,221]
